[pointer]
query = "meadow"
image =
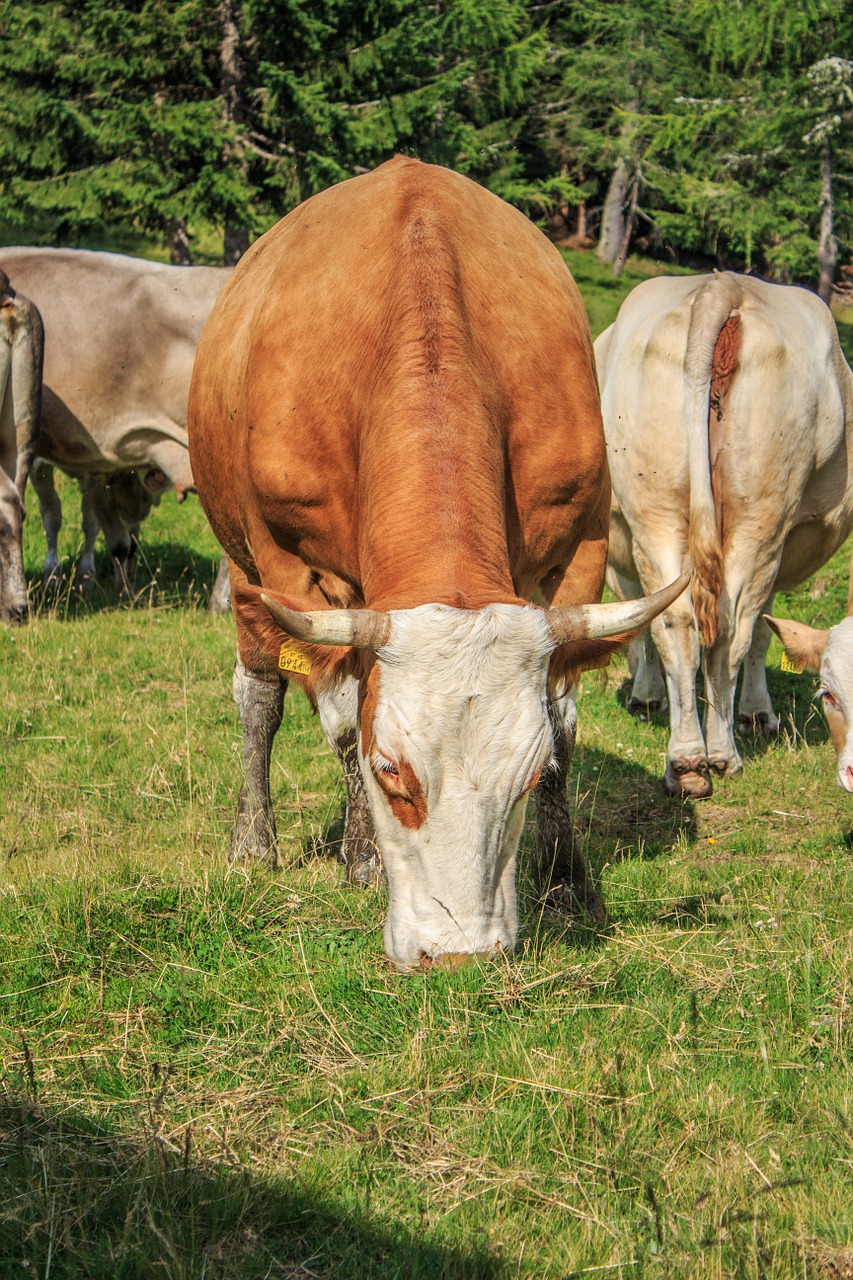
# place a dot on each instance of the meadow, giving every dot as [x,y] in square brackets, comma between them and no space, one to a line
[212,1071]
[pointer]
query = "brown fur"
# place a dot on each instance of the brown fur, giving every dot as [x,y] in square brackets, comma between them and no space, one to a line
[406,416]
[724,366]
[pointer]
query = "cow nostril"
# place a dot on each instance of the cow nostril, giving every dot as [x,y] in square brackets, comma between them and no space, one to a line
[848,778]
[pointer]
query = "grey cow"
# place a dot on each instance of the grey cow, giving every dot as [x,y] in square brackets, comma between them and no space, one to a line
[120,340]
[21,356]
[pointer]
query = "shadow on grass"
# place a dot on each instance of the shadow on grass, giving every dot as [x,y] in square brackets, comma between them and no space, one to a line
[623,811]
[80,1200]
[167,573]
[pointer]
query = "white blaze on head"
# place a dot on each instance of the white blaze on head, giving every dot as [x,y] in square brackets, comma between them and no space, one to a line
[453,732]
[836,675]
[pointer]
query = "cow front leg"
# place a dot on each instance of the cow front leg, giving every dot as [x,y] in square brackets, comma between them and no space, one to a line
[560,872]
[648,692]
[755,710]
[338,714]
[260,702]
[50,507]
[84,578]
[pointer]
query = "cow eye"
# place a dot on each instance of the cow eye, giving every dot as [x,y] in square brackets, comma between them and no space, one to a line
[827,697]
[381,764]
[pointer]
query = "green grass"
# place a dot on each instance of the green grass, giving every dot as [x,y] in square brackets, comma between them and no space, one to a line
[213,1072]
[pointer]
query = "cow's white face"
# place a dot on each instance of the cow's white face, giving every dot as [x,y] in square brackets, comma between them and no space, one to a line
[453,733]
[836,676]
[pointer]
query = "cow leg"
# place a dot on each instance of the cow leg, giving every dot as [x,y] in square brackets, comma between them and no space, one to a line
[648,692]
[559,868]
[755,710]
[13,583]
[677,641]
[259,702]
[338,710]
[41,478]
[84,578]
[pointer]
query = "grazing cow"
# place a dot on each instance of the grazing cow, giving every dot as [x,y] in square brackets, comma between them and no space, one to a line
[397,440]
[121,335]
[831,653]
[21,353]
[728,411]
[115,503]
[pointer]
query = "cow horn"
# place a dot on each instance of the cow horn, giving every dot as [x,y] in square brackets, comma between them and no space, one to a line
[594,621]
[361,628]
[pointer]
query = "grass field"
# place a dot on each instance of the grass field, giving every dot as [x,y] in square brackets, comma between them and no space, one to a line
[213,1072]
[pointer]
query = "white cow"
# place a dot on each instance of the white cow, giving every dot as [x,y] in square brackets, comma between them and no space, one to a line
[21,351]
[120,341]
[831,653]
[728,411]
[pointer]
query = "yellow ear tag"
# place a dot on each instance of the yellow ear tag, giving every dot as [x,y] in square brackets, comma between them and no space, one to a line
[292,658]
[787,665]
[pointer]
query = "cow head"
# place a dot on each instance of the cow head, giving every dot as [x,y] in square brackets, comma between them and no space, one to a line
[453,732]
[831,653]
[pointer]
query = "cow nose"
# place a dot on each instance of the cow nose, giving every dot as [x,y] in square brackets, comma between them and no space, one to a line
[847,778]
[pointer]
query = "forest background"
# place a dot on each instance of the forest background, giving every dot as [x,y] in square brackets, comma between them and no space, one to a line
[697,131]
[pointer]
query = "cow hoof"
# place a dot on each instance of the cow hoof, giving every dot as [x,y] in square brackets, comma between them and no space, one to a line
[725,766]
[645,710]
[84,583]
[575,899]
[762,724]
[688,778]
[255,841]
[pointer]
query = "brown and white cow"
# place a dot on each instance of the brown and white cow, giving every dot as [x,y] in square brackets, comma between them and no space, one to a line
[829,651]
[120,340]
[21,354]
[396,436]
[728,411]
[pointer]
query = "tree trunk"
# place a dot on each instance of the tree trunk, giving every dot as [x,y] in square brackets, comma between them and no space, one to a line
[178,241]
[613,214]
[628,228]
[236,237]
[827,249]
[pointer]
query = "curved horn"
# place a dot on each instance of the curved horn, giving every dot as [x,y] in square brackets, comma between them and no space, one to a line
[361,628]
[594,621]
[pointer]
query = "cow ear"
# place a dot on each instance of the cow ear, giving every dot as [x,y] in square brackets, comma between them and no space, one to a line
[804,645]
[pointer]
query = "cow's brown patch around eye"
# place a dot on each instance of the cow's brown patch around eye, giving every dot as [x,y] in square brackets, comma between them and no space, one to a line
[402,788]
[836,723]
[405,795]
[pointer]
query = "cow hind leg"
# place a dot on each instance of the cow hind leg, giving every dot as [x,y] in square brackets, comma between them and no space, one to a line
[736,644]
[260,703]
[755,710]
[360,852]
[559,867]
[677,641]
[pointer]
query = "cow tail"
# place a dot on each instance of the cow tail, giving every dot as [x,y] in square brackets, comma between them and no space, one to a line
[714,306]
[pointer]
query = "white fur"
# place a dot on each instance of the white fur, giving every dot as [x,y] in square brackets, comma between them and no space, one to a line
[836,673]
[462,698]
